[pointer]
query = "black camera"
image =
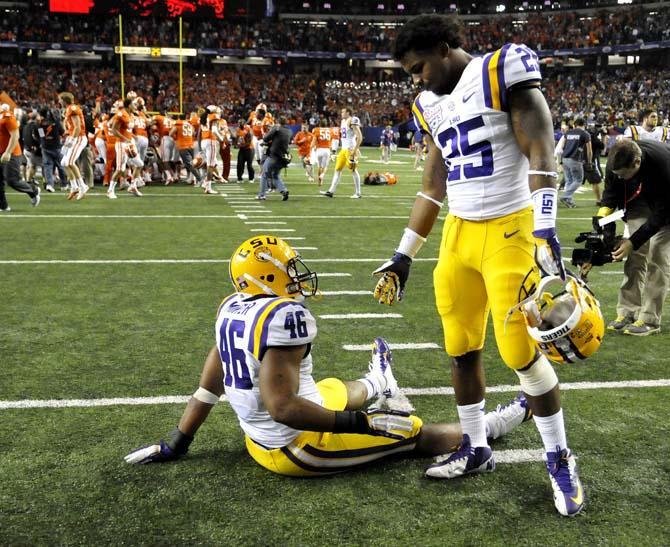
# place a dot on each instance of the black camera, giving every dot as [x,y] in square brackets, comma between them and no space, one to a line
[598,246]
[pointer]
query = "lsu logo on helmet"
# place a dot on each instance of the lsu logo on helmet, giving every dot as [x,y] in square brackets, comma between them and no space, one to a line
[267,265]
[565,324]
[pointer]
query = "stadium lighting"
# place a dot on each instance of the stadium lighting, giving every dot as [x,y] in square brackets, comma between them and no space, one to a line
[622,2]
[500,8]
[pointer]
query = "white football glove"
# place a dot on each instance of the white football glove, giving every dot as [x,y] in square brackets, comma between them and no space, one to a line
[384,422]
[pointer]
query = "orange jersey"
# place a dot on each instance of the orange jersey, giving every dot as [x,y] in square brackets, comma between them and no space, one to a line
[261,127]
[323,136]
[184,134]
[304,141]
[241,134]
[71,112]
[164,124]
[8,124]
[107,132]
[123,121]
[140,124]
[195,122]
[100,125]
[212,122]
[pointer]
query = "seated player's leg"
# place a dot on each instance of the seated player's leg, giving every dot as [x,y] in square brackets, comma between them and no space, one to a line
[316,454]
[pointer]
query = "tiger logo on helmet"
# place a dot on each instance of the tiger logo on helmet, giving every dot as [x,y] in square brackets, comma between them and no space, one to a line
[563,318]
[267,265]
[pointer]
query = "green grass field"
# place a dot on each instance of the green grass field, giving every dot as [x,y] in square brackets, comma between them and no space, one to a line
[104,299]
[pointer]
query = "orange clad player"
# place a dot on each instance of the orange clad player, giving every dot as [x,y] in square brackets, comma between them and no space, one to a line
[261,121]
[10,160]
[321,145]
[303,139]
[75,142]
[168,150]
[141,122]
[184,135]
[126,150]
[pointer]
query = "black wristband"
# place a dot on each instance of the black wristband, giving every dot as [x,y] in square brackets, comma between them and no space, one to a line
[348,421]
[179,442]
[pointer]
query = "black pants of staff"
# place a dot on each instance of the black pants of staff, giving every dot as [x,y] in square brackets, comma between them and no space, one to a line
[186,155]
[245,156]
[10,175]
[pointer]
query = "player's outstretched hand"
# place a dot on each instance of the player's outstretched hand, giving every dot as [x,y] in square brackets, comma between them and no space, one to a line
[393,275]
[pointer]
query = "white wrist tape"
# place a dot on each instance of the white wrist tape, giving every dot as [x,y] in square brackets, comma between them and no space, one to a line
[205,396]
[552,174]
[410,243]
[432,200]
[544,208]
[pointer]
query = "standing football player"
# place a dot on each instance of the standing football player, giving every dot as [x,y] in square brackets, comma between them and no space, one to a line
[350,143]
[262,360]
[490,149]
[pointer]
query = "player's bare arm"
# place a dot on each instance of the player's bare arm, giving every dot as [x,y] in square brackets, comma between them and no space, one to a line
[434,185]
[76,123]
[533,129]
[279,383]
[534,132]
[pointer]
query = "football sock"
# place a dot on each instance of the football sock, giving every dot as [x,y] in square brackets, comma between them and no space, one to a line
[74,185]
[373,384]
[473,423]
[336,181]
[112,185]
[552,431]
[357,182]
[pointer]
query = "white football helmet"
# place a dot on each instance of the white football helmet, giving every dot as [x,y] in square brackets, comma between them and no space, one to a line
[565,323]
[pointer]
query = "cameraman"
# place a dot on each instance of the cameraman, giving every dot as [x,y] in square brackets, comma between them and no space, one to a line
[277,140]
[637,179]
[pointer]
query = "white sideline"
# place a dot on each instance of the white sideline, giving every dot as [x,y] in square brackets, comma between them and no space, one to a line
[360,315]
[177,399]
[367,347]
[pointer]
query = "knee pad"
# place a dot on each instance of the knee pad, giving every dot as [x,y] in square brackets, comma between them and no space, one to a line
[538,378]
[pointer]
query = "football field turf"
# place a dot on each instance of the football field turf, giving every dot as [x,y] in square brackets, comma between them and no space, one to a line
[116,300]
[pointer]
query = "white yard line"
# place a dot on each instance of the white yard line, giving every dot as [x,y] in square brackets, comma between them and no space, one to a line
[333,274]
[180,399]
[277,230]
[75,216]
[361,315]
[269,222]
[344,293]
[367,347]
[306,248]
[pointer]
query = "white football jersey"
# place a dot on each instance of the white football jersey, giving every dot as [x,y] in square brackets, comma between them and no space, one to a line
[246,326]
[488,173]
[347,135]
[637,133]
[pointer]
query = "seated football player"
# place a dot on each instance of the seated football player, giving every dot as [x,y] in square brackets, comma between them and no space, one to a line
[262,361]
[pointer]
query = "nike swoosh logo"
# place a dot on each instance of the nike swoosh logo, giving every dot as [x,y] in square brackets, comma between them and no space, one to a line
[579,498]
[507,236]
[466,98]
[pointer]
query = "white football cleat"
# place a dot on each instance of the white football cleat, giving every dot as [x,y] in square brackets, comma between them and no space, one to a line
[82,191]
[380,368]
[111,195]
[507,417]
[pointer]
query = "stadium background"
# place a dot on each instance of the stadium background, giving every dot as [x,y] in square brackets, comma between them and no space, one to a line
[107,305]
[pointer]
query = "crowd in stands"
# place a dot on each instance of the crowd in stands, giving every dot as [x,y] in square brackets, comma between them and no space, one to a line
[609,96]
[545,30]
